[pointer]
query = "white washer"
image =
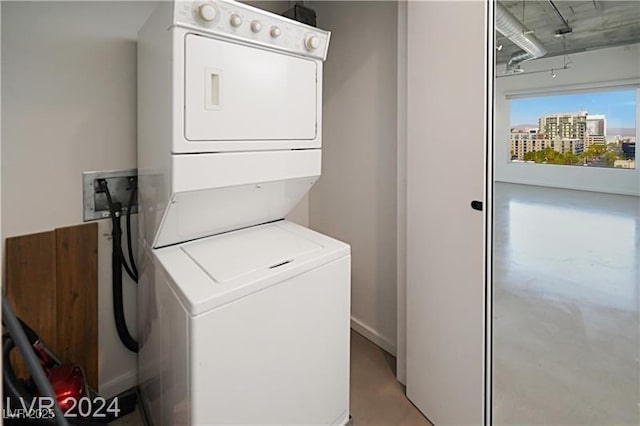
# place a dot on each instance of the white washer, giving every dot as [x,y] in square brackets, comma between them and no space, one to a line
[248,327]
[244,317]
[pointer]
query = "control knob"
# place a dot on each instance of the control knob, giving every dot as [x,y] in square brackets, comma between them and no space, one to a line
[236,20]
[312,42]
[207,12]
[256,26]
[275,32]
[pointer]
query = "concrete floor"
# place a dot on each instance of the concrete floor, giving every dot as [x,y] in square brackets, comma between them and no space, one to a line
[377,398]
[566,307]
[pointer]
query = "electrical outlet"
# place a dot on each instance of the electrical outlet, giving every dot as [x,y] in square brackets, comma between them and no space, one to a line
[120,184]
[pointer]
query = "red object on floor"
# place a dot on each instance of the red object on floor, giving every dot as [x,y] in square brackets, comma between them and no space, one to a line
[69,385]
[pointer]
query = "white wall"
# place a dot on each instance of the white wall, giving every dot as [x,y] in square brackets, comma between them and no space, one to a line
[68,106]
[355,199]
[604,67]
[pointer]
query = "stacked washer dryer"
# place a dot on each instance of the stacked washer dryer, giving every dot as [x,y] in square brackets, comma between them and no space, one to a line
[243,316]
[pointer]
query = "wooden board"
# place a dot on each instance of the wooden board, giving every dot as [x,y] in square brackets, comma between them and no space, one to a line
[77,297]
[31,287]
[52,284]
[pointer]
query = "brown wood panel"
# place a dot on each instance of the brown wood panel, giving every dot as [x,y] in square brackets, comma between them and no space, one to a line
[77,297]
[31,286]
[52,284]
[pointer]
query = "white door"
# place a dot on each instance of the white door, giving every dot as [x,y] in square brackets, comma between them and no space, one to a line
[445,172]
[235,92]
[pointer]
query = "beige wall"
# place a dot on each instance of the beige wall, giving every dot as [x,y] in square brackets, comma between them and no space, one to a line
[355,199]
[68,106]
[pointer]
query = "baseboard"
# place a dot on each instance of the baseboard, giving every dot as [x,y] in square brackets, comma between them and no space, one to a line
[371,334]
[563,185]
[119,384]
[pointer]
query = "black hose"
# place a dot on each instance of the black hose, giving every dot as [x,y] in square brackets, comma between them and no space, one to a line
[115,209]
[132,261]
[118,306]
[116,270]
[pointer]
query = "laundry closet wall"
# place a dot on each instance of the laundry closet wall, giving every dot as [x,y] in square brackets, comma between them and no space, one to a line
[68,106]
[355,199]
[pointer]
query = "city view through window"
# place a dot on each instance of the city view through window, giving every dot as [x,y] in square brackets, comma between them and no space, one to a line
[595,129]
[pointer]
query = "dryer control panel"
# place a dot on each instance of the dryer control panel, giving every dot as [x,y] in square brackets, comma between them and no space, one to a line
[241,22]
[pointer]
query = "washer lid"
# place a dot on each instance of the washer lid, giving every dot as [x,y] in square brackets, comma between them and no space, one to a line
[209,273]
[230,256]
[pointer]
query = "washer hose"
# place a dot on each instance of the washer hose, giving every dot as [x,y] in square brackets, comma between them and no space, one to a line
[117,263]
[132,197]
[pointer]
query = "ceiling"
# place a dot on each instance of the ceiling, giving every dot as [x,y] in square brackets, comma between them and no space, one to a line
[595,24]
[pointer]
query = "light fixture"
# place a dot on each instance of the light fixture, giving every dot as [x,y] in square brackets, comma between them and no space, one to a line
[553,73]
[499,47]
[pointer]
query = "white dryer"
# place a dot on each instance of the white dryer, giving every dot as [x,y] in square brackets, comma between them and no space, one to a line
[243,316]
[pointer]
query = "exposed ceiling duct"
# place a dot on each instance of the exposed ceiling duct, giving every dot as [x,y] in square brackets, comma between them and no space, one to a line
[509,26]
[516,59]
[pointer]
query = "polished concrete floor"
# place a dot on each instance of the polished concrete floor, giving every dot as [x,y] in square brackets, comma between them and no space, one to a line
[377,398]
[566,319]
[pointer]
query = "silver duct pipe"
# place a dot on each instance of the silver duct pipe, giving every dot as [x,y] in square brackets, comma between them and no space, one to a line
[509,26]
[516,59]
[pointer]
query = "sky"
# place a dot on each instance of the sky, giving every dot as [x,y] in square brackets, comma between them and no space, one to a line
[618,106]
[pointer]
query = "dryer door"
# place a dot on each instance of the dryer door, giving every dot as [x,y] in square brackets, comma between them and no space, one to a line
[237,94]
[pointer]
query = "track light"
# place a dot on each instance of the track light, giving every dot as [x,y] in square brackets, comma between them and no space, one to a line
[553,73]
[499,47]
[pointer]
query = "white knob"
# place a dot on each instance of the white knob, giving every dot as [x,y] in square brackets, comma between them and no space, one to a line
[312,42]
[275,32]
[256,26]
[236,20]
[207,12]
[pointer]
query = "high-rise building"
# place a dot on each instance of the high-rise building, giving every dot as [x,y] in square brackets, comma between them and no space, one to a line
[596,125]
[522,141]
[521,144]
[570,125]
[563,132]
[629,150]
[596,130]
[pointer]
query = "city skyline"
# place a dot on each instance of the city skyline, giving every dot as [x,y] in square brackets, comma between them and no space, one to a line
[618,106]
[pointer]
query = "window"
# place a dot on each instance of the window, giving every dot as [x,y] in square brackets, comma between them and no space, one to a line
[589,129]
